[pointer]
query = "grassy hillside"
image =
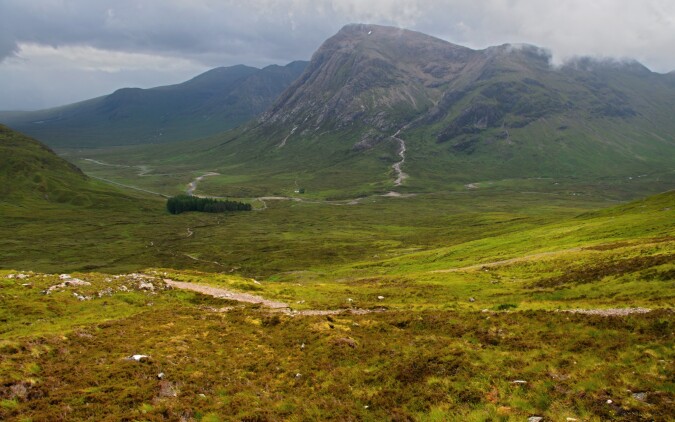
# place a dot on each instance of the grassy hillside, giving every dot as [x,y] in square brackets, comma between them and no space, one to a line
[486,338]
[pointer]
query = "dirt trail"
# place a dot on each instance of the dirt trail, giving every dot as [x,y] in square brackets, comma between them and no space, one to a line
[192,186]
[127,186]
[609,311]
[275,306]
[507,261]
[281,307]
[143,169]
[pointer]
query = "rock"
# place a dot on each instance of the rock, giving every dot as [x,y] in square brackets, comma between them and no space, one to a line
[138,358]
[609,401]
[145,286]
[472,299]
[380,298]
[27,284]
[64,276]
[160,375]
[571,419]
[11,275]
[22,276]
[519,382]
[80,297]
[19,391]
[535,419]
[298,375]
[639,396]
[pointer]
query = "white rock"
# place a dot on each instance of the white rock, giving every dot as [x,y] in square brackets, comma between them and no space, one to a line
[298,375]
[145,286]
[11,275]
[64,276]
[160,375]
[380,297]
[519,382]
[535,419]
[138,358]
[609,401]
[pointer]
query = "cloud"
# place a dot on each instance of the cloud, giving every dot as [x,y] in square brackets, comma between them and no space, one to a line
[266,31]
[260,32]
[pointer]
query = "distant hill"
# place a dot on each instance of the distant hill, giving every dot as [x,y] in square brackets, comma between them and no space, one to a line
[212,102]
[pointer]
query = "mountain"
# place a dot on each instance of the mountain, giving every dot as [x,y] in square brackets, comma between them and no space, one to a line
[463,116]
[212,102]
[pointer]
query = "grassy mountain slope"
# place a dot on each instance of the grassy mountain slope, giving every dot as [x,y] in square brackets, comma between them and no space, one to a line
[209,103]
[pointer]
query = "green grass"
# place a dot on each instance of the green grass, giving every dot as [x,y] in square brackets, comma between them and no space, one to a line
[461,325]
[424,365]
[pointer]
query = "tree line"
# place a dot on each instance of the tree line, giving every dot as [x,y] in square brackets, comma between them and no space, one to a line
[183,203]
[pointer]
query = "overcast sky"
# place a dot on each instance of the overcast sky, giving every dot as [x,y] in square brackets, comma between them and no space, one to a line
[54,52]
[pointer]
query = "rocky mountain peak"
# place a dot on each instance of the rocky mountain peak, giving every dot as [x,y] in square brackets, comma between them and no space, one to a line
[370,74]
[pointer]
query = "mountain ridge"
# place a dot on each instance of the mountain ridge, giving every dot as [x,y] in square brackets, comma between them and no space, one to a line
[212,102]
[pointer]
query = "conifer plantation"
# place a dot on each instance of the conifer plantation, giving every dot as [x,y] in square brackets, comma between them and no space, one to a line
[182,203]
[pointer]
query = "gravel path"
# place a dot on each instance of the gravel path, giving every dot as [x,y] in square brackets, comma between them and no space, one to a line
[610,311]
[192,186]
[275,306]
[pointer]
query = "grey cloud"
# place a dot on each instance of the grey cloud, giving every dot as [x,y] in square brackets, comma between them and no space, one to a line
[282,30]
[260,32]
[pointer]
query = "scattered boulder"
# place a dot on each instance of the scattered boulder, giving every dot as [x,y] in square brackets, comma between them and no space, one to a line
[639,396]
[138,358]
[19,391]
[535,419]
[146,286]
[70,282]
